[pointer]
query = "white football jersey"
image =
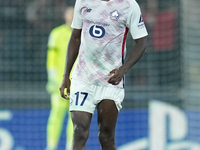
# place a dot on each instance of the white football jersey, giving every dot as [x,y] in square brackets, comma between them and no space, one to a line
[103,40]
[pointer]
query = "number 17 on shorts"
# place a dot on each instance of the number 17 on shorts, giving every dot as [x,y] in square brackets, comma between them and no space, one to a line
[81,98]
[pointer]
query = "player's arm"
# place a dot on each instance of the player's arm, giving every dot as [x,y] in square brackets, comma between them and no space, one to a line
[138,31]
[72,53]
[135,55]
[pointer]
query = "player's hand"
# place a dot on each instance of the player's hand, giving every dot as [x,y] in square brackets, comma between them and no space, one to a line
[65,85]
[116,76]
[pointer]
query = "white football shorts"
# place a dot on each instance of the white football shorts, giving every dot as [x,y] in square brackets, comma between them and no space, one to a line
[85,97]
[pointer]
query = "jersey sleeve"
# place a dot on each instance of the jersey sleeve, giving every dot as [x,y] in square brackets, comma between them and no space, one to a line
[135,22]
[77,18]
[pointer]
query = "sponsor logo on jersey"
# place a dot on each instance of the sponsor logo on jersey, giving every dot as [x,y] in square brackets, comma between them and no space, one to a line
[114,15]
[97,23]
[97,31]
[141,22]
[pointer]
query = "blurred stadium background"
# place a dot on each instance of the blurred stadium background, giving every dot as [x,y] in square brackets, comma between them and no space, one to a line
[162,103]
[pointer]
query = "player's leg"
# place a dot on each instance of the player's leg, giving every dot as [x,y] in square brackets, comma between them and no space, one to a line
[69,132]
[81,121]
[59,106]
[81,107]
[107,118]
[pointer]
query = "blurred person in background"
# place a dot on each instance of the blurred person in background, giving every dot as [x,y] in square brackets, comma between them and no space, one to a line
[57,47]
[42,16]
[39,12]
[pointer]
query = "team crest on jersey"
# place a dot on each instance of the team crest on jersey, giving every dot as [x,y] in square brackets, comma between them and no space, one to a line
[114,15]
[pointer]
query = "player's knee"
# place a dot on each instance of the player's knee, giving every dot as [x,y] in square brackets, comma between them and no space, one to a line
[106,136]
[81,133]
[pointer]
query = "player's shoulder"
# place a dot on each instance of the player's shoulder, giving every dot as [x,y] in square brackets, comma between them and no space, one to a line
[85,2]
[132,3]
[133,6]
[129,5]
